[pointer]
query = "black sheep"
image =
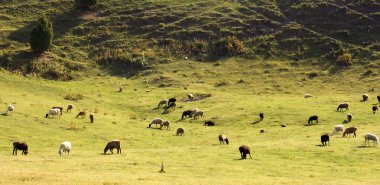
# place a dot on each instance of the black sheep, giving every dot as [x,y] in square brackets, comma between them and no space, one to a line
[378,98]
[92,118]
[261,116]
[172,100]
[209,123]
[313,118]
[324,139]
[188,113]
[20,146]
[244,150]
[111,145]
[171,105]
[374,109]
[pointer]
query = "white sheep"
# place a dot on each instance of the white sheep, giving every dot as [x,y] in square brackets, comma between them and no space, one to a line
[338,128]
[198,114]
[190,96]
[308,95]
[10,109]
[65,147]
[370,136]
[54,113]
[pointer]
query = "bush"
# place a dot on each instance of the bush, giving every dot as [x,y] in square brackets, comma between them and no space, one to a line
[345,59]
[85,4]
[74,97]
[41,37]
[229,46]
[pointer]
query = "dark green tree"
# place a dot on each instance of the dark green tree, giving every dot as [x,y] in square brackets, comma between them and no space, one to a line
[41,37]
[85,4]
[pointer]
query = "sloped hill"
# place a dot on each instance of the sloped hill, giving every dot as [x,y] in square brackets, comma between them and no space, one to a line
[125,36]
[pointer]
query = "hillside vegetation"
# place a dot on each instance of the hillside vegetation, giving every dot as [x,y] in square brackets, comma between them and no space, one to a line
[122,37]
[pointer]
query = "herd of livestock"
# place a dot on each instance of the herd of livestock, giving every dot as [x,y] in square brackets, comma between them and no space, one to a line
[244,150]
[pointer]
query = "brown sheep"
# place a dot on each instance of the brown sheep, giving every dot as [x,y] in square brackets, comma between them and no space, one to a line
[81,114]
[342,106]
[365,97]
[111,145]
[349,131]
[69,108]
[222,139]
[20,146]
[244,150]
[180,131]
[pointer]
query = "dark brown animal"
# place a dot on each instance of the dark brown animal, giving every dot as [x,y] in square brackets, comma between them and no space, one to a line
[261,115]
[171,105]
[92,118]
[349,117]
[112,145]
[349,131]
[81,114]
[57,107]
[69,108]
[209,123]
[187,113]
[342,106]
[374,109]
[171,100]
[365,97]
[180,131]
[378,98]
[313,118]
[244,150]
[20,146]
[325,138]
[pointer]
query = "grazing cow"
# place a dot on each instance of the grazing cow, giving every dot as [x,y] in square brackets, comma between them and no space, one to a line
[53,113]
[60,109]
[20,146]
[261,115]
[349,117]
[69,108]
[82,114]
[372,137]
[244,150]
[180,131]
[313,118]
[325,138]
[64,147]
[209,123]
[10,109]
[92,116]
[188,113]
[172,100]
[342,106]
[349,131]
[222,138]
[111,145]
[374,109]
[365,97]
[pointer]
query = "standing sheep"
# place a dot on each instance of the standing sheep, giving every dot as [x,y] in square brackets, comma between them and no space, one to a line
[222,138]
[165,124]
[82,114]
[370,136]
[112,145]
[325,138]
[338,128]
[92,117]
[378,98]
[53,113]
[365,97]
[20,146]
[162,102]
[374,109]
[10,109]
[244,150]
[60,109]
[342,106]
[180,131]
[69,108]
[313,118]
[172,100]
[349,117]
[198,114]
[261,115]
[349,131]
[64,147]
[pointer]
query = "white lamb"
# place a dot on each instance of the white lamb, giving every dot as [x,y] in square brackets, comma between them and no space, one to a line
[65,147]
[10,109]
[54,113]
[338,128]
[373,137]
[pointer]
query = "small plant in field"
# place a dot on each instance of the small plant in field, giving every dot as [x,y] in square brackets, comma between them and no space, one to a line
[345,59]
[73,96]
[221,83]
[73,126]
[41,37]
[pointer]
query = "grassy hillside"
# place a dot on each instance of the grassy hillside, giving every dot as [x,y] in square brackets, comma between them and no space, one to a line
[125,36]
[239,90]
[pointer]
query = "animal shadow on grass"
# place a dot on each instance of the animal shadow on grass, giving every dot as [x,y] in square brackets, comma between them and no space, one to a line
[4,114]
[320,145]
[363,146]
[156,108]
[256,122]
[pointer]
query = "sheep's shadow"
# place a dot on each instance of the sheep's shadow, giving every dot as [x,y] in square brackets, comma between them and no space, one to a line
[4,114]
[156,108]
[364,146]
[240,159]
[256,122]
[320,145]
[308,125]
[156,128]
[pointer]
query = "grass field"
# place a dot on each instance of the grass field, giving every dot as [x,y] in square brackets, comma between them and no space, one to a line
[239,90]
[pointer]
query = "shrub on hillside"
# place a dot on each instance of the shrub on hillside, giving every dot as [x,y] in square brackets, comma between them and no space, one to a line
[85,4]
[345,59]
[73,96]
[41,37]
[229,46]
[120,59]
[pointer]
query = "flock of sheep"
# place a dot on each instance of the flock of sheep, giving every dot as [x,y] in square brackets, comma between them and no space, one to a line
[244,150]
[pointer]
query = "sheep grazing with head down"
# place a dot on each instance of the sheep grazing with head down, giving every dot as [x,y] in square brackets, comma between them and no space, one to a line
[342,106]
[64,147]
[20,146]
[69,108]
[53,113]
[365,97]
[338,128]
[325,139]
[171,105]
[156,121]
[222,138]
[349,131]
[162,102]
[370,136]
[349,117]
[92,117]
[244,150]
[81,114]
[112,145]
[190,96]
[198,114]
[313,118]
[180,131]
[187,113]
[172,100]
[165,124]
[209,123]
[10,109]
[58,107]
[374,109]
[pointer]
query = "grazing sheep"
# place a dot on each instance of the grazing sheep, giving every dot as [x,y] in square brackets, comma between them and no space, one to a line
[171,100]
[60,109]
[370,136]
[308,96]
[81,114]
[349,131]
[342,106]
[162,102]
[365,97]
[198,114]
[180,131]
[190,96]
[112,145]
[325,138]
[171,105]
[53,113]
[283,125]
[378,98]
[20,146]
[209,123]
[10,109]
[69,108]
[156,121]
[338,128]
[64,147]
[263,131]
[188,113]
[349,117]
[374,109]
[261,115]
[92,116]
[244,150]
[313,118]
[222,139]
[165,124]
